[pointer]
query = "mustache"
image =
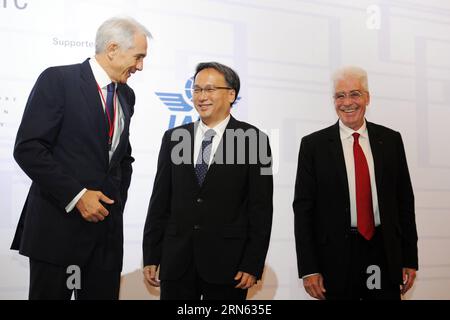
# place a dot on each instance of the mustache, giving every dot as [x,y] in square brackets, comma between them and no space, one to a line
[351,107]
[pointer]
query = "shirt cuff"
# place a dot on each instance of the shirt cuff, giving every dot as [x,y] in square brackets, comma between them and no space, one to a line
[73,203]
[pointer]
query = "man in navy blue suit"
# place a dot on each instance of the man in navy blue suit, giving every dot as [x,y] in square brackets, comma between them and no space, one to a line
[73,142]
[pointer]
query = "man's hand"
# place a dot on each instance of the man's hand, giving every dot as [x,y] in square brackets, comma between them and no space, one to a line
[314,286]
[90,207]
[246,280]
[150,275]
[409,275]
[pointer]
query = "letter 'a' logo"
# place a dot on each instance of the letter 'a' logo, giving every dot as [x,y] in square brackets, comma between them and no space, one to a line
[74,280]
[374,280]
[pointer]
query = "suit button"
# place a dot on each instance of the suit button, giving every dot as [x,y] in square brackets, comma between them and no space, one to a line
[197,227]
[199,200]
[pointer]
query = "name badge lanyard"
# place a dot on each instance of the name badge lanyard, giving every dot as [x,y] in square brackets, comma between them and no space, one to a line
[112,121]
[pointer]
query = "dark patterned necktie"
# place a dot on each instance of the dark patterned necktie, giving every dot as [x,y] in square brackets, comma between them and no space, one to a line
[109,110]
[201,167]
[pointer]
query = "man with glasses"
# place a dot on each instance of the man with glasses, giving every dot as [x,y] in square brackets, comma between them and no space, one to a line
[210,215]
[355,224]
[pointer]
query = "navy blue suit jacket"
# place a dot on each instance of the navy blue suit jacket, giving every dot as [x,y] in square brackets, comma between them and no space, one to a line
[62,146]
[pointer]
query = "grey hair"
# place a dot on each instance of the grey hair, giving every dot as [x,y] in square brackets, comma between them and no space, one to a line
[120,30]
[354,72]
[231,76]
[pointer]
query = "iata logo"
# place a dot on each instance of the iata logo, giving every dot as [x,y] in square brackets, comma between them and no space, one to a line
[181,106]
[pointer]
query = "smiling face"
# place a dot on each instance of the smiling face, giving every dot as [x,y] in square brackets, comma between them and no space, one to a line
[124,62]
[350,101]
[213,106]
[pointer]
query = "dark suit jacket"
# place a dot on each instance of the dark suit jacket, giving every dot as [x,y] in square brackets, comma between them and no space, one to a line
[62,146]
[224,226]
[322,205]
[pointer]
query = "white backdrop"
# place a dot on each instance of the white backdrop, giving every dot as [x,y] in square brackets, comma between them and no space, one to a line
[284,51]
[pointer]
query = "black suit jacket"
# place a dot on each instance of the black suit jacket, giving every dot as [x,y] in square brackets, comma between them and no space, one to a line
[61,145]
[322,205]
[224,226]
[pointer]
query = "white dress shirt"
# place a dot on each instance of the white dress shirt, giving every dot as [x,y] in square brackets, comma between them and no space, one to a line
[102,79]
[347,146]
[200,135]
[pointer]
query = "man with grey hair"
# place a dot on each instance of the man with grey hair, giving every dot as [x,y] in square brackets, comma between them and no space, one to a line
[73,142]
[355,227]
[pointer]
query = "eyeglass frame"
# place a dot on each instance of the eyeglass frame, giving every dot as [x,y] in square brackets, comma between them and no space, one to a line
[349,95]
[208,89]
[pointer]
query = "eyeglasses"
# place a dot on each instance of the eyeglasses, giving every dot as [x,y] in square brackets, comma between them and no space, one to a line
[208,89]
[353,95]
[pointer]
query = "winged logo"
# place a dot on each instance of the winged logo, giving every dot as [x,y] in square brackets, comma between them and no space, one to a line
[176,101]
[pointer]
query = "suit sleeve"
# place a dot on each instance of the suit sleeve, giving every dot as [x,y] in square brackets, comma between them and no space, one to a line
[38,133]
[159,206]
[260,211]
[304,206]
[127,171]
[407,211]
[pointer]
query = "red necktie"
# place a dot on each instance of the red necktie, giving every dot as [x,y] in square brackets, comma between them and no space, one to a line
[364,209]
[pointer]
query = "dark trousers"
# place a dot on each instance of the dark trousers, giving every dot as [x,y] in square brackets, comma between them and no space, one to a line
[192,287]
[50,282]
[363,283]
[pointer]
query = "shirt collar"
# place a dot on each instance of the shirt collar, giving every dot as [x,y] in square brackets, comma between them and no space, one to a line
[100,74]
[219,129]
[347,133]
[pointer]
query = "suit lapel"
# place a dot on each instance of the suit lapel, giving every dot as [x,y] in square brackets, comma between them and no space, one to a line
[90,92]
[218,157]
[376,145]
[125,107]
[192,128]
[337,153]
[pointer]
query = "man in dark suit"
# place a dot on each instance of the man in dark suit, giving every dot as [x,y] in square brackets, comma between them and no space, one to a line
[73,142]
[210,215]
[355,225]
